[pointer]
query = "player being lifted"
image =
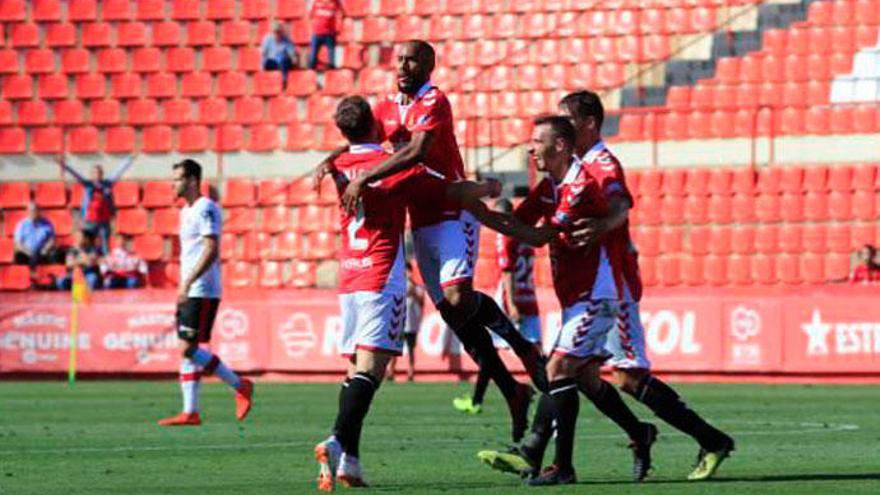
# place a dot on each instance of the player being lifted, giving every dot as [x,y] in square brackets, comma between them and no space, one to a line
[198,297]
[626,345]
[516,293]
[418,121]
[372,282]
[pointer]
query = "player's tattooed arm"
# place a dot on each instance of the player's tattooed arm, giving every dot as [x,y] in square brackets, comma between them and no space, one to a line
[209,254]
[410,155]
[326,166]
[587,231]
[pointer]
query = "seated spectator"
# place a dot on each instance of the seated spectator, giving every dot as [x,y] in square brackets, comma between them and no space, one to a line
[123,269]
[84,255]
[867,271]
[97,202]
[34,240]
[278,52]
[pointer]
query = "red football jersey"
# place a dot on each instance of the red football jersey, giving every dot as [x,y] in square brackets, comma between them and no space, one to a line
[430,111]
[603,166]
[323,15]
[371,255]
[863,275]
[575,271]
[519,258]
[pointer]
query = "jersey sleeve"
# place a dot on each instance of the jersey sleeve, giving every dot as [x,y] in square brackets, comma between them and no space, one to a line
[435,112]
[612,180]
[572,196]
[531,209]
[506,253]
[209,221]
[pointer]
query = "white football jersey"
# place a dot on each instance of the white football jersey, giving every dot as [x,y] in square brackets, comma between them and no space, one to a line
[197,221]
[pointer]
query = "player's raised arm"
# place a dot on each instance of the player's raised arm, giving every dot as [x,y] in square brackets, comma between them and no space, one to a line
[326,166]
[509,225]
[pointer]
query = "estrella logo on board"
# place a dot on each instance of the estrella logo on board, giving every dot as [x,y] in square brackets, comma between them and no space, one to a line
[840,338]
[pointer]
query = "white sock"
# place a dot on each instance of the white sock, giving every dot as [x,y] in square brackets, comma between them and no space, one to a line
[202,357]
[190,376]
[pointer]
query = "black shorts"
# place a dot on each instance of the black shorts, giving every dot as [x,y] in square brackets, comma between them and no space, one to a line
[195,318]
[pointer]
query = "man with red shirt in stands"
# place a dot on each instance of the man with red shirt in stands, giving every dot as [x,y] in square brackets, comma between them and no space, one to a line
[419,122]
[97,202]
[867,271]
[324,16]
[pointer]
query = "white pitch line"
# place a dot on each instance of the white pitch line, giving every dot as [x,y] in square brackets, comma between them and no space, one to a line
[830,428]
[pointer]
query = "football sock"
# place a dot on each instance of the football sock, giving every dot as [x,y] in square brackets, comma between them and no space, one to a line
[609,402]
[567,403]
[480,387]
[211,364]
[542,429]
[669,407]
[357,396]
[337,425]
[492,316]
[190,377]
[478,344]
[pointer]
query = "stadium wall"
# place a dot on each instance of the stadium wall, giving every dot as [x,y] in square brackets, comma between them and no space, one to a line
[807,334]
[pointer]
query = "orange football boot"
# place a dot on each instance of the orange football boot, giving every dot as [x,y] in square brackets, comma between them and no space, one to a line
[182,419]
[244,399]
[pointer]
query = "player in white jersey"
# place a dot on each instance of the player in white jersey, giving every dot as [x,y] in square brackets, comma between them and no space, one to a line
[198,297]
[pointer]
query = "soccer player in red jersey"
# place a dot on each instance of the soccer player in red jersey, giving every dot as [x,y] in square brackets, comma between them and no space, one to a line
[418,121]
[588,280]
[372,282]
[516,293]
[867,271]
[629,359]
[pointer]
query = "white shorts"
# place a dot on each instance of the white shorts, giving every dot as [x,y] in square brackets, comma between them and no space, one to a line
[585,328]
[372,321]
[528,326]
[627,343]
[447,253]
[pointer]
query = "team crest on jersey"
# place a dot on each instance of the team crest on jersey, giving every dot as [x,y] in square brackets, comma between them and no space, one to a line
[430,98]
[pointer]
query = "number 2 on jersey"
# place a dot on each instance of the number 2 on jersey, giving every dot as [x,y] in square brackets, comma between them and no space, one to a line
[354,226]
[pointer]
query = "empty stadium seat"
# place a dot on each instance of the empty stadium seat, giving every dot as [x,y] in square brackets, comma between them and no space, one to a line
[83,140]
[150,247]
[119,140]
[166,221]
[239,274]
[15,277]
[272,192]
[131,221]
[304,274]
[240,220]
[158,194]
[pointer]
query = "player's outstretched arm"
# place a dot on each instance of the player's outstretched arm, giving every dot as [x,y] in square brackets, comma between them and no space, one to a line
[410,155]
[509,225]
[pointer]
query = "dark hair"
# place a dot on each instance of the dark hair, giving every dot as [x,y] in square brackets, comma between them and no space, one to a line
[560,127]
[504,205]
[191,168]
[583,104]
[354,118]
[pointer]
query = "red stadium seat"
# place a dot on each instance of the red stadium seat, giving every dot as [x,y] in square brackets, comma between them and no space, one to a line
[239,274]
[105,112]
[39,61]
[837,267]
[142,112]
[201,33]
[276,219]
[240,220]
[742,239]
[671,240]
[119,140]
[788,269]
[147,60]
[196,85]
[698,240]
[320,245]
[791,238]
[150,247]
[131,221]
[83,140]
[169,34]
[338,82]
[248,110]
[53,86]
[816,207]
[47,140]
[24,35]
[672,209]
[257,246]
[668,272]
[32,112]
[271,275]
[300,136]
[720,240]
[166,221]
[272,192]
[864,205]
[839,205]
[235,33]
[158,194]
[132,34]
[232,84]
[696,209]
[791,207]
[239,192]
[17,87]
[673,181]
[50,194]
[229,137]
[283,109]
[267,84]
[304,275]
[11,218]
[263,138]
[837,238]
[814,238]
[213,111]
[812,268]
[177,112]
[288,246]
[12,140]
[314,218]
[125,86]
[249,60]
[217,59]
[15,277]
[185,10]
[158,139]
[840,178]
[647,239]
[767,239]
[220,9]
[7,250]
[180,60]
[767,208]
[90,86]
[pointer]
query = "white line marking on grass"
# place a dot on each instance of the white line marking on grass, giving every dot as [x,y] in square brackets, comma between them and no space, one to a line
[805,428]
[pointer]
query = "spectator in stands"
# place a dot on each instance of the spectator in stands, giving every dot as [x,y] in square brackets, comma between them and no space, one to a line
[34,239]
[278,52]
[84,255]
[867,271]
[122,268]
[97,203]
[324,16]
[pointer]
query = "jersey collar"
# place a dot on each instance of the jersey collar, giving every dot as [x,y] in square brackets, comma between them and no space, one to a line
[594,151]
[360,149]
[428,86]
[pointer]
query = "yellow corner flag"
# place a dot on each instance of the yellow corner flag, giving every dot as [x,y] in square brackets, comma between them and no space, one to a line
[79,294]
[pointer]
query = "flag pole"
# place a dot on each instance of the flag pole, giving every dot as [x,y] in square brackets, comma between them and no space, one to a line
[78,295]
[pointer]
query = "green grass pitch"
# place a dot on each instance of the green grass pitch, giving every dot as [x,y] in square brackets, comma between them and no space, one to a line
[101,438]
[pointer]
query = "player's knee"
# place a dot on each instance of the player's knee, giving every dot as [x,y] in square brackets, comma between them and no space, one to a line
[560,367]
[629,379]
